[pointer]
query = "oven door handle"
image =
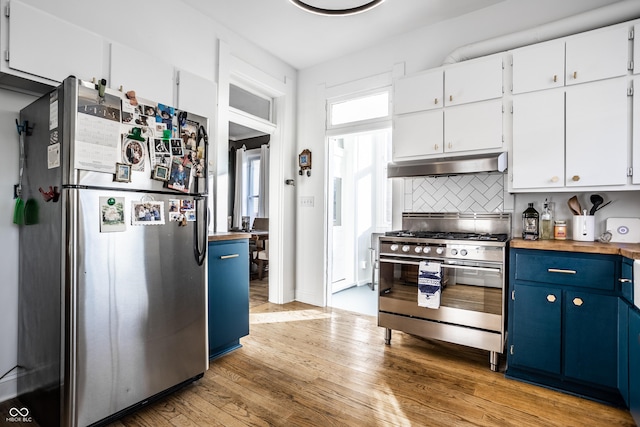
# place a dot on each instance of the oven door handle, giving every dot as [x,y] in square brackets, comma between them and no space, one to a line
[460,267]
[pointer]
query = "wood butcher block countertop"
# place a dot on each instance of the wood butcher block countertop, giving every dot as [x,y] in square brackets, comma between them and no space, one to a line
[629,250]
[228,235]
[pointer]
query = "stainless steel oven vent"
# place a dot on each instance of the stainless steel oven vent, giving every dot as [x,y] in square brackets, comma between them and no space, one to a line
[496,162]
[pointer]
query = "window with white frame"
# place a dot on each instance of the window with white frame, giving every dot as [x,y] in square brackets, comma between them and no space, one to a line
[367,107]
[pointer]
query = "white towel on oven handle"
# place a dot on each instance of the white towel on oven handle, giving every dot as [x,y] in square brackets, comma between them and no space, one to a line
[429,284]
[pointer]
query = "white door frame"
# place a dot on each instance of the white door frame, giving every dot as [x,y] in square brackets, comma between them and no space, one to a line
[281,197]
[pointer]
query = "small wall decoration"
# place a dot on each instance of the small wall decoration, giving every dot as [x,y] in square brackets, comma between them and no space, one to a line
[123,173]
[304,160]
[147,213]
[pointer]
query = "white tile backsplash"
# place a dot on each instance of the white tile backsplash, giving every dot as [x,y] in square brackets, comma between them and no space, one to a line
[481,192]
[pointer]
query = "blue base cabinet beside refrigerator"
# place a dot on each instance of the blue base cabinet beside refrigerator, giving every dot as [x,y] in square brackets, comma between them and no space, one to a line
[634,363]
[228,287]
[563,322]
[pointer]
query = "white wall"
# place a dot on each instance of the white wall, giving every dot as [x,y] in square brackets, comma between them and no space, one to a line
[418,50]
[10,104]
[166,29]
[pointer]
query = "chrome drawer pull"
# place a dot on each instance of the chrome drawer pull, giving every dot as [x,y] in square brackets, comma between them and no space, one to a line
[229,256]
[558,270]
[624,280]
[578,302]
[551,298]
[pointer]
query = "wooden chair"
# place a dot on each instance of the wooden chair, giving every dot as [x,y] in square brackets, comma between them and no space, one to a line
[260,245]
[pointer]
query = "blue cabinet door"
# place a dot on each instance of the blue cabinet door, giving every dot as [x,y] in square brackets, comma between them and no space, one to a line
[536,332]
[591,338]
[634,364]
[623,350]
[228,295]
[626,279]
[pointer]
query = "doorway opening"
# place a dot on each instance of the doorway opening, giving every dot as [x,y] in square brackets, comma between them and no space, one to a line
[360,207]
[249,195]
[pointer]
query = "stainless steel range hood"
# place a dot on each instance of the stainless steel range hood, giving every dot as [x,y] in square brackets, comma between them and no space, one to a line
[495,162]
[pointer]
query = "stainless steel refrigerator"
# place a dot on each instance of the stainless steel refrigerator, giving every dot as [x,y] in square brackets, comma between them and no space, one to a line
[112,254]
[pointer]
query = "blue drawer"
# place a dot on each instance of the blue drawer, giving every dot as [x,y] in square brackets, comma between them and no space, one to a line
[561,268]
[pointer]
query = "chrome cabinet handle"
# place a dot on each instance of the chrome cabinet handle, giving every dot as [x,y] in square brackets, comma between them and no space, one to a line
[435,101]
[558,270]
[625,280]
[578,302]
[229,256]
[551,298]
[555,78]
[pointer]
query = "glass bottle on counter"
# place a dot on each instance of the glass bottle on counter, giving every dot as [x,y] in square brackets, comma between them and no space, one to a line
[530,223]
[546,221]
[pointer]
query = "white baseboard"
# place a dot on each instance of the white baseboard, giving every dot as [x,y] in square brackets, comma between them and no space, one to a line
[9,387]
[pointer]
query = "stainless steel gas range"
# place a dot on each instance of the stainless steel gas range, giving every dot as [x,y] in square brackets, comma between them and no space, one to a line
[471,251]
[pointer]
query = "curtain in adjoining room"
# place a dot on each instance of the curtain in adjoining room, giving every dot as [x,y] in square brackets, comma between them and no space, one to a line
[263,206]
[239,200]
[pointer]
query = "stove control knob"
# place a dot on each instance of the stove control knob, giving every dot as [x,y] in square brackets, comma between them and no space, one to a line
[426,250]
[393,247]
[463,252]
[454,252]
[418,249]
[440,251]
[406,248]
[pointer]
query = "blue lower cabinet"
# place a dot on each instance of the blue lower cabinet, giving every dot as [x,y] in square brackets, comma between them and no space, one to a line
[634,364]
[623,350]
[563,323]
[535,333]
[228,287]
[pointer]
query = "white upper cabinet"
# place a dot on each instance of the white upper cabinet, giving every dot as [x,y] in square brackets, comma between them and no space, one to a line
[39,44]
[473,80]
[151,78]
[196,94]
[636,135]
[471,127]
[597,134]
[538,140]
[418,92]
[417,135]
[636,51]
[597,55]
[537,67]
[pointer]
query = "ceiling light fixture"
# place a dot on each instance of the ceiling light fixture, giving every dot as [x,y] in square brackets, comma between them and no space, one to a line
[304,5]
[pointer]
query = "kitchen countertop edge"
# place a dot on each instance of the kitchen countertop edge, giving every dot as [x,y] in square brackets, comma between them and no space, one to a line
[228,235]
[629,250]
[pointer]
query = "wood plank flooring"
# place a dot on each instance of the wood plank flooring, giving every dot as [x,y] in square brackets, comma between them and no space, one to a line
[308,366]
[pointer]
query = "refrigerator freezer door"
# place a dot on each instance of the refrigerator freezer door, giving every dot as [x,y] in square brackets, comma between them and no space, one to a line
[140,319]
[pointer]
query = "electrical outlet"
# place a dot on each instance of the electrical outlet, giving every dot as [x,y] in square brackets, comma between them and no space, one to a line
[306,201]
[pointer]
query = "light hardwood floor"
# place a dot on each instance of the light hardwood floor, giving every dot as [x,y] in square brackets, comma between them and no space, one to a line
[309,366]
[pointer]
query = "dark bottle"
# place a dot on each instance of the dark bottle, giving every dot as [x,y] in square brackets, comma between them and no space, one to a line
[530,223]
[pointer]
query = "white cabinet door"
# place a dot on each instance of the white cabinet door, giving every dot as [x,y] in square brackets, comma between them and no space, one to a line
[417,135]
[636,134]
[538,67]
[636,50]
[597,55]
[151,78]
[418,92]
[538,140]
[196,94]
[45,46]
[597,134]
[474,80]
[471,127]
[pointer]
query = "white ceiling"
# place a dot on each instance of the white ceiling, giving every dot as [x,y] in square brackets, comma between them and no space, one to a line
[303,39]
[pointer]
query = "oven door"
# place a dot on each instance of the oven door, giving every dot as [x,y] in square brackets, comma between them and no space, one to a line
[472,292]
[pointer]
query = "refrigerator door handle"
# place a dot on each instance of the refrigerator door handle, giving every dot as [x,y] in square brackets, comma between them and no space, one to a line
[200,246]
